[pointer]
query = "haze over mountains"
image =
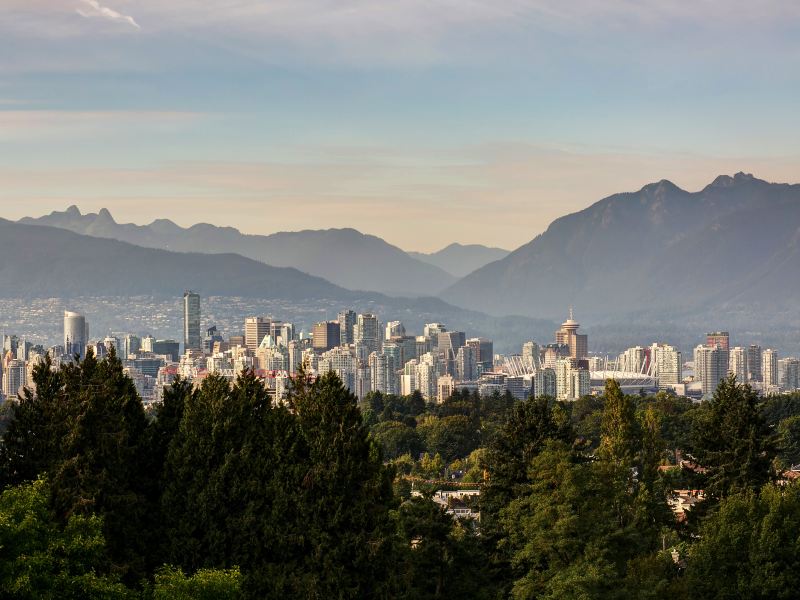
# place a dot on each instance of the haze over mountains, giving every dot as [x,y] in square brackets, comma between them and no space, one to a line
[345,257]
[658,259]
[50,262]
[734,245]
[461,259]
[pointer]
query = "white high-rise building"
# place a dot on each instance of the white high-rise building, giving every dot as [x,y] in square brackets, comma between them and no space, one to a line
[427,378]
[711,367]
[394,329]
[382,375]
[571,382]
[769,369]
[445,386]
[14,374]
[76,334]
[789,373]
[737,364]
[366,332]
[363,381]
[531,356]
[343,363]
[545,383]
[667,363]
[633,360]
[466,364]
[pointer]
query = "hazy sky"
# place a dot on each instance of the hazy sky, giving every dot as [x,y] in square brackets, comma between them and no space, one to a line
[422,121]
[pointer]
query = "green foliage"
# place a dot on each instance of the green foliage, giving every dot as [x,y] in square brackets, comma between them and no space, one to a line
[101,468]
[396,439]
[531,425]
[257,500]
[441,558]
[452,437]
[750,548]
[618,430]
[42,558]
[789,441]
[206,584]
[37,424]
[733,441]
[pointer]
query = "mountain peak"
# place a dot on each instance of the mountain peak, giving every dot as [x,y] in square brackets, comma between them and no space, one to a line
[726,181]
[73,211]
[660,186]
[105,215]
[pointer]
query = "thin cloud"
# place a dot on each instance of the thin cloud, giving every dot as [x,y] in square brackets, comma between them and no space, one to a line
[96,10]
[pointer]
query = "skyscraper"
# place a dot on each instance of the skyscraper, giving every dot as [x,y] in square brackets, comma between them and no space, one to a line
[737,364]
[76,334]
[347,320]
[568,334]
[719,338]
[666,361]
[711,366]
[769,368]
[789,373]
[255,329]
[131,344]
[192,340]
[754,362]
[484,353]
[325,335]
[530,355]
[13,375]
[366,332]
[466,364]
[394,329]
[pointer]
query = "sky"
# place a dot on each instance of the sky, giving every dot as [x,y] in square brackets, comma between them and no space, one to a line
[424,122]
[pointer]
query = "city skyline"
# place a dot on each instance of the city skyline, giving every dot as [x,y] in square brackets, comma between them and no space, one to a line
[384,112]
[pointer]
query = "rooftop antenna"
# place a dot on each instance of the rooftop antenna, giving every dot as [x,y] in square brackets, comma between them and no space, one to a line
[570,313]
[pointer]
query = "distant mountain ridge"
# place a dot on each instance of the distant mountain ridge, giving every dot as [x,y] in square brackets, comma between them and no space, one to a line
[51,262]
[345,257]
[661,250]
[461,259]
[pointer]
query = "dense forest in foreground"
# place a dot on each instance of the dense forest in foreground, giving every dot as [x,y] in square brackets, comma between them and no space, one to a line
[218,493]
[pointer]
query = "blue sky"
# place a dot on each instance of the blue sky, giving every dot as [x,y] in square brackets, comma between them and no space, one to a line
[424,122]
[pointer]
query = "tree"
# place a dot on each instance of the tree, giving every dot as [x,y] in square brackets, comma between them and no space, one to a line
[619,437]
[452,437]
[532,424]
[100,470]
[555,533]
[440,558]
[38,422]
[789,441]
[732,440]
[343,500]
[750,548]
[43,558]
[397,439]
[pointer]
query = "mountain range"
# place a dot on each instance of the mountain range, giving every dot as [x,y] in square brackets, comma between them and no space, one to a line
[654,260]
[733,246]
[50,262]
[345,257]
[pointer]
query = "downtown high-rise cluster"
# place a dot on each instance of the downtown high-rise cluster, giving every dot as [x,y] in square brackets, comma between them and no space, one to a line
[371,355]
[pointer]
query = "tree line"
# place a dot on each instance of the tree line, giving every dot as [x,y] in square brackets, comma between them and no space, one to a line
[217,492]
